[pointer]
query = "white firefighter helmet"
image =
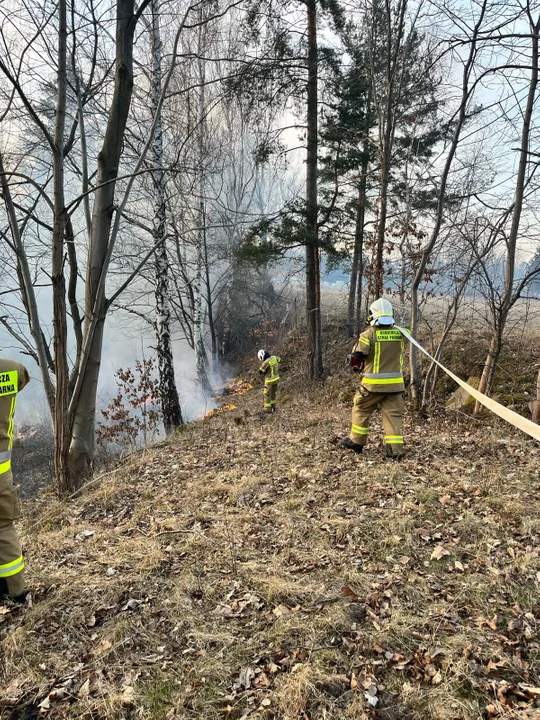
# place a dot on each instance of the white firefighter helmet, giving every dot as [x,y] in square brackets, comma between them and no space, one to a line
[381,312]
[261,355]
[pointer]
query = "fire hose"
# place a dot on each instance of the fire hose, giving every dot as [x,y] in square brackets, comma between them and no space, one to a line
[514,418]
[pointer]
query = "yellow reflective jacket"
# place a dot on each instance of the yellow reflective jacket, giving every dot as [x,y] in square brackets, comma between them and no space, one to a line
[383,347]
[13,377]
[270,369]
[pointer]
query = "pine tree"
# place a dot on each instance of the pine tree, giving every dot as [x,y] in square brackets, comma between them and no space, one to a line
[379,133]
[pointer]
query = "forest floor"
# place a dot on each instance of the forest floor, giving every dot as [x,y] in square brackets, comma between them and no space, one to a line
[250,568]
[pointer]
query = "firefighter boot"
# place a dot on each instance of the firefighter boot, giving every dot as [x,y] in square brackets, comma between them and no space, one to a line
[391,456]
[4,593]
[346,442]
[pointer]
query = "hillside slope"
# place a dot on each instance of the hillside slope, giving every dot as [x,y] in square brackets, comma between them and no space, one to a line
[252,569]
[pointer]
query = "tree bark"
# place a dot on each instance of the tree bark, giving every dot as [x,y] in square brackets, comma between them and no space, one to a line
[381,227]
[488,374]
[313,280]
[27,289]
[535,405]
[170,402]
[61,422]
[394,39]
[357,270]
[82,416]
[76,319]
[210,309]
[200,351]
[353,281]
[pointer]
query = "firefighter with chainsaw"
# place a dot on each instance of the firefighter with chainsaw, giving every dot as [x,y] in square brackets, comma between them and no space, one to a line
[13,378]
[378,355]
[270,369]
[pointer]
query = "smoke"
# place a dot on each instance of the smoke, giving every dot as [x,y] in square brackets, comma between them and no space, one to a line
[122,347]
[122,350]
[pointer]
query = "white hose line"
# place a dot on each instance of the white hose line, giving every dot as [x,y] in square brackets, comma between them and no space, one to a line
[518,421]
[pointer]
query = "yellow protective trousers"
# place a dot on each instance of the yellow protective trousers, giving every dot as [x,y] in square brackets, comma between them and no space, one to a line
[11,559]
[392,407]
[269,394]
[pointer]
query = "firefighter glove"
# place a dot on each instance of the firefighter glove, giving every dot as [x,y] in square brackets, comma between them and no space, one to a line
[357,361]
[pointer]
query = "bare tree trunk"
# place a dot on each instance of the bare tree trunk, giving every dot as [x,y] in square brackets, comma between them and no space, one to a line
[488,374]
[200,352]
[507,300]
[357,270]
[210,310]
[359,313]
[170,403]
[225,341]
[27,289]
[394,39]
[61,422]
[535,405]
[378,271]
[430,379]
[428,248]
[82,416]
[353,281]
[313,281]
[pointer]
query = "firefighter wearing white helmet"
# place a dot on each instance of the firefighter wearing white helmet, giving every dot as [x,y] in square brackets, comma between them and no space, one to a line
[270,369]
[379,354]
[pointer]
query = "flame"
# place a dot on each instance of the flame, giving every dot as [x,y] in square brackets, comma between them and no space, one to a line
[220,409]
[235,387]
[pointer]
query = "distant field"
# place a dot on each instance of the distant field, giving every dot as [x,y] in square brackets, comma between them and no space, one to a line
[473,313]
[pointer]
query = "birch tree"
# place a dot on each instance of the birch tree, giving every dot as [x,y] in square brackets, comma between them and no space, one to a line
[201,247]
[170,403]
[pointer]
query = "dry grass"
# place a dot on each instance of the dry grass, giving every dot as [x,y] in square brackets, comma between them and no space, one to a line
[213,583]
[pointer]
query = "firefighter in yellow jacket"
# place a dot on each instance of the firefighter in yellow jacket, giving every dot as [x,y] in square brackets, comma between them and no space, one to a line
[270,369]
[13,377]
[379,353]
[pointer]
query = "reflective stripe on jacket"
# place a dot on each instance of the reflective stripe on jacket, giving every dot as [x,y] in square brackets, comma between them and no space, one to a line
[13,377]
[270,369]
[383,348]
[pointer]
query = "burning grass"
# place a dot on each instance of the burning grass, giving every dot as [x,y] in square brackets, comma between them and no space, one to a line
[236,387]
[254,570]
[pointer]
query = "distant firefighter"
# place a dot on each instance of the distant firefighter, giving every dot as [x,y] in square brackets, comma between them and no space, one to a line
[378,354]
[13,378]
[270,369]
